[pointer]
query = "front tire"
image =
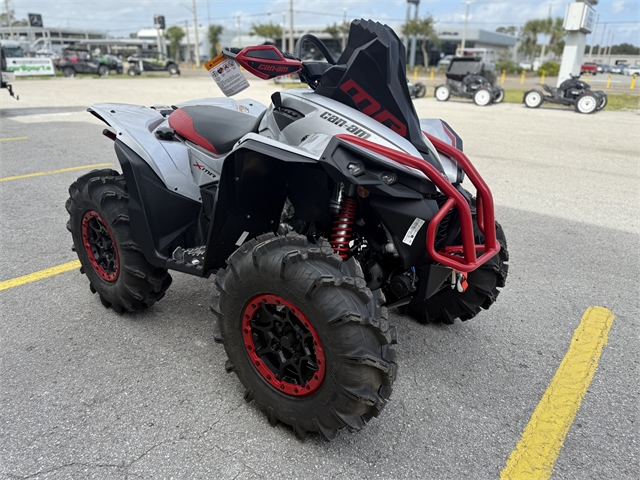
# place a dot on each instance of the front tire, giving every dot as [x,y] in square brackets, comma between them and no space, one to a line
[69,72]
[482,97]
[117,270]
[173,69]
[603,100]
[419,90]
[281,297]
[442,93]
[482,290]
[587,103]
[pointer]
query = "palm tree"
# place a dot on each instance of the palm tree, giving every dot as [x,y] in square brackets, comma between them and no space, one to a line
[423,28]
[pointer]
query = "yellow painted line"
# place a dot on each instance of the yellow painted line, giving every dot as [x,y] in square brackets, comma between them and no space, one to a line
[34,277]
[12,139]
[542,439]
[51,172]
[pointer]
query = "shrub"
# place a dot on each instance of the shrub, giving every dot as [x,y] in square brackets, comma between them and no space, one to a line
[507,65]
[551,69]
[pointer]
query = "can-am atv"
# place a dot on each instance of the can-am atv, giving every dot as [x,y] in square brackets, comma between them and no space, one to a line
[316,214]
[572,92]
[471,77]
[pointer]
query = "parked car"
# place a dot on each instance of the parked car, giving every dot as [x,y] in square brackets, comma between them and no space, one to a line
[444,62]
[619,68]
[632,70]
[604,68]
[525,65]
[112,61]
[589,67]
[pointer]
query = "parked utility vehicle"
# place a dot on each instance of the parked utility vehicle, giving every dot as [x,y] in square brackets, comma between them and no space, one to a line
[316,213]
[471,77]
[572,93]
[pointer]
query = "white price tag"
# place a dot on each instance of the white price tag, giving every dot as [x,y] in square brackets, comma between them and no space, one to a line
[413,231]
[226,72]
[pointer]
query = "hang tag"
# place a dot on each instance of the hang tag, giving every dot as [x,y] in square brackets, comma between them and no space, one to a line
[226,72]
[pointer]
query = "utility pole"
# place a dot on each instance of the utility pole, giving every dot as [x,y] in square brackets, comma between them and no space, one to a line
[414,37]
[239,31]
[602,38]
[9,19]
[186,29]
[209,13]
[195,26]
[609,45]
[291,46]
[593,37]
[284,36]
[344,34]
[544,45]
[406,37]
[464,30]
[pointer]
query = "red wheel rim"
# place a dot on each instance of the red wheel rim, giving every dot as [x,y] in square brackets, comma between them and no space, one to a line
[100,246]
[282,345]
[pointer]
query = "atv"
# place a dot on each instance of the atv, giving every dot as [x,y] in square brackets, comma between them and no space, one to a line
[6,77]
[572,92]
[151,63]
[316,214]
[416,90]
[471,77]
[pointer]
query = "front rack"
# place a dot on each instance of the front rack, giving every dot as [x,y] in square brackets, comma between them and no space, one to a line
[449,256]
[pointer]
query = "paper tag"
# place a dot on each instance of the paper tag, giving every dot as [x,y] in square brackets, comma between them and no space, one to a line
[413,231]
[226,72]
[242,238]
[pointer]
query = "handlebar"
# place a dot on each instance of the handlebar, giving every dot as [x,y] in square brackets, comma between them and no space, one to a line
[307,37]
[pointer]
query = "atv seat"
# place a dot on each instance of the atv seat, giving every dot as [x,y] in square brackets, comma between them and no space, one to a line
[216,129]
[549,89]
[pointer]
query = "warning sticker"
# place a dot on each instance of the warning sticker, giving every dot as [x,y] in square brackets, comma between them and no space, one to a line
[413,231]
[226,72]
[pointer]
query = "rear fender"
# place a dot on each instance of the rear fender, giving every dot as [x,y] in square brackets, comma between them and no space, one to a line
[134,126]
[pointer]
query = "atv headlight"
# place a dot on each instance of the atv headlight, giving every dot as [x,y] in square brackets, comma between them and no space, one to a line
[389,178]
[356,168]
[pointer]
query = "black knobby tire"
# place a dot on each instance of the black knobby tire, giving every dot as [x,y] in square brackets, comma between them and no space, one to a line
[498,94]
[482,290]
[420,90]
[349,321]
[69,72]
[103,70]
[173,69]
[129,283]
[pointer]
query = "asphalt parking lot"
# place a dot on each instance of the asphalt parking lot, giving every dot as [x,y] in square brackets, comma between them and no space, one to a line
[88,393]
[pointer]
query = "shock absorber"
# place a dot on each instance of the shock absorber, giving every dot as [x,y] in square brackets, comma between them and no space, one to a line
[342,227]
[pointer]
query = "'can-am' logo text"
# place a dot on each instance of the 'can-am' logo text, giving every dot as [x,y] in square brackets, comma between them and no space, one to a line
[341,122]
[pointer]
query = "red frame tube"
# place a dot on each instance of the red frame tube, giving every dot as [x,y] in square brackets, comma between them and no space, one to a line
[484,204]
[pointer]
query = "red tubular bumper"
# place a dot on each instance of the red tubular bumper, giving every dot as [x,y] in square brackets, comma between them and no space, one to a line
[449,256]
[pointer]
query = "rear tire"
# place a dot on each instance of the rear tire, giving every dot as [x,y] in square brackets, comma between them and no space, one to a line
[587,103]
[103,70]
[132,72]
[482,290]
[350,334]
[420,90]
[69,72]
[482,97]
[603,100]
[498,95]
[533,99]
[173,69]
[442,93]
[99,224]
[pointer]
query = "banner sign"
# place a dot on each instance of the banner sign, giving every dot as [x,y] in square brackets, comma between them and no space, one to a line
[30,66]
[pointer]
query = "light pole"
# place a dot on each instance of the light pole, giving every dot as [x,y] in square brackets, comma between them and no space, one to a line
[284,29]
[464,30]
[414,37]
[593,37]
[195,27]
[291,46]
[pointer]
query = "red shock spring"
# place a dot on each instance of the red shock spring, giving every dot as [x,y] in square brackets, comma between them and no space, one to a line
[341,231]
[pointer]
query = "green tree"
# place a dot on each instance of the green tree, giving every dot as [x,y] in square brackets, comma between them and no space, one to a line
[214,37]
[512,30]
[553,28]
[625,49]
[4,20]
[529,37]
[424,29]
[267,30]
[337,30]
[174,35]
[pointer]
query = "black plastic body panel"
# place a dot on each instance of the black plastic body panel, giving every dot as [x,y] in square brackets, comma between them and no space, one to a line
[253,188]
[159,218]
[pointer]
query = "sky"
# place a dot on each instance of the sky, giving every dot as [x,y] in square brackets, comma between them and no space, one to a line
[121,17]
